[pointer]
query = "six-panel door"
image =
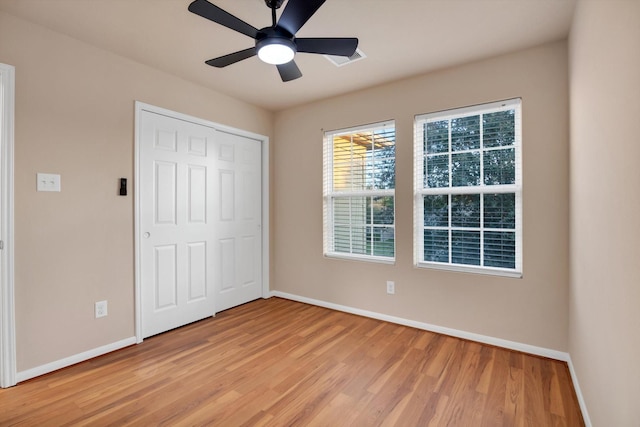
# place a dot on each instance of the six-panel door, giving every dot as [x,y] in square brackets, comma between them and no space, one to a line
[200,212]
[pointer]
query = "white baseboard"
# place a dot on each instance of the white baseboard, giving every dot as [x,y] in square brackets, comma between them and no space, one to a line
[72,360]
[576,387]
[498,342]
[511,345]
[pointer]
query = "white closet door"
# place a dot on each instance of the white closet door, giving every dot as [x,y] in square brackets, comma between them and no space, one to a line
[238,248]
[177,225]
[200,212]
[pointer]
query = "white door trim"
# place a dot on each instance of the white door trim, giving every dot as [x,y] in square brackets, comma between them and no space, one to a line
[7,291]
[264,142]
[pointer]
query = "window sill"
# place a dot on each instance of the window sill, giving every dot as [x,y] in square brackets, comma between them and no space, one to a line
[365,258]
[490,271]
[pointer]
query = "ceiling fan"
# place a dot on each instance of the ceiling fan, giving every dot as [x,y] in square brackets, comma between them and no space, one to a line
[276,44]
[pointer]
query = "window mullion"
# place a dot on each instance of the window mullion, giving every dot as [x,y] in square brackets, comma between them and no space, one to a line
[481,189]
[450,230]
[482,230]
[481,150]
[350,225]
[481,185]
[351,163]
[370,224]
[365,193]
[449,195]
[351,181]
[331,223]
[450,156]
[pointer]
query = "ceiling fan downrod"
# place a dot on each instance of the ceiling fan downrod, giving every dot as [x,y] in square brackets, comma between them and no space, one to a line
[273,5]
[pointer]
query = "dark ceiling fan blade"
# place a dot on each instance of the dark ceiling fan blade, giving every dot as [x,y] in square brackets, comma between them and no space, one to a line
[222,17]
[232,58]
[297,13]
[328,46]
[289,71]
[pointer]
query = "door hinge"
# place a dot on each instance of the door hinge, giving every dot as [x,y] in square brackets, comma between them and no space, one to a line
[1,245]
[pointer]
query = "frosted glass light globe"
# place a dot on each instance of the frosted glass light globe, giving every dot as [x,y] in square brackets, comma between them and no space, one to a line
[276,53]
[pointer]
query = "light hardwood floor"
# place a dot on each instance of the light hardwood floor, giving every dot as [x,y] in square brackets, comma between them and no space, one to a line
[282,363]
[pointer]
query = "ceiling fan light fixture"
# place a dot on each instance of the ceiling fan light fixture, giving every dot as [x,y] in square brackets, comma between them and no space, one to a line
[276,44]
[276,51]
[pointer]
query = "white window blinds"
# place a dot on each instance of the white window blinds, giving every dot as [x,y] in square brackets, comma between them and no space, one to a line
[359,192]
[468,189]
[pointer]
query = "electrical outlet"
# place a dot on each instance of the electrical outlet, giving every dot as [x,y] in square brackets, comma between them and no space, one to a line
[391,287]
[101,309]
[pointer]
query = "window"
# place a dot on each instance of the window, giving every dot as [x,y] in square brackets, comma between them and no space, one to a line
[359,192]
[468,189]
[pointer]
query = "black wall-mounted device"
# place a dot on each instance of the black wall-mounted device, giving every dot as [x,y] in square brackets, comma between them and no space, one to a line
[123,186]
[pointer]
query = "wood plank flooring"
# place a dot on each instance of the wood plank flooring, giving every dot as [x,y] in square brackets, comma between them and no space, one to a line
[281,363]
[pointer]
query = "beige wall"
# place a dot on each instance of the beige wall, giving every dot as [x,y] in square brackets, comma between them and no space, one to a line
[531,310]
[604,327]
[75,117]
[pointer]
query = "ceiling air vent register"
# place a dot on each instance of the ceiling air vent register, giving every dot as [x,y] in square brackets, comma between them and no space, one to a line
[339,61]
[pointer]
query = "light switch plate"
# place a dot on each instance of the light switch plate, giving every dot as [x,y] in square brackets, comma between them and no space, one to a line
[48,182]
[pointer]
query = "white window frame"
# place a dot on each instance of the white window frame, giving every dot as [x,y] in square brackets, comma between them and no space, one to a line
[420,190]
[329,194]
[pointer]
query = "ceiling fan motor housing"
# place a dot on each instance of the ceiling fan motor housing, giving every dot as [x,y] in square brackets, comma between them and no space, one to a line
[275,45]
[274,4]
[275,35]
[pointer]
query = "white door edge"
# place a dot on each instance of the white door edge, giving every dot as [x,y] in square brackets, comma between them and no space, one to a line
[264,142]
[7,290]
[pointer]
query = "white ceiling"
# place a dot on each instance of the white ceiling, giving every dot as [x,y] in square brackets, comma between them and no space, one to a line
[400,38]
